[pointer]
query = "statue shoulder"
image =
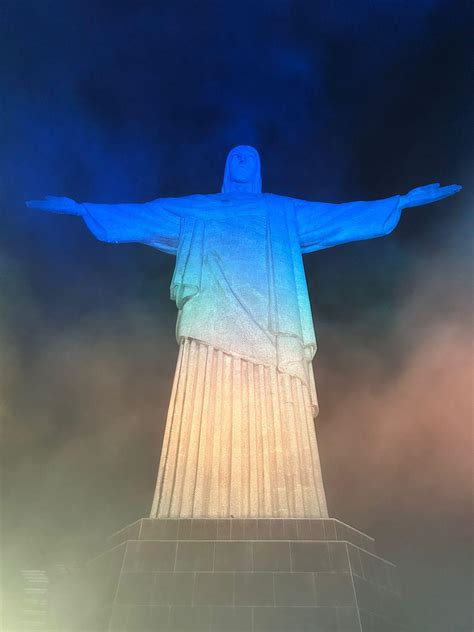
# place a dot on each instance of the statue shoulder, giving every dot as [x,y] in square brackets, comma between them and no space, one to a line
[282,201]
[276,196]
[197,200]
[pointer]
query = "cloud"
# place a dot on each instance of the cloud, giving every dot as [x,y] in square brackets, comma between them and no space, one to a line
[397,425]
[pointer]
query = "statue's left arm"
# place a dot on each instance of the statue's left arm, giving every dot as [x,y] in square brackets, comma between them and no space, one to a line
[322,225]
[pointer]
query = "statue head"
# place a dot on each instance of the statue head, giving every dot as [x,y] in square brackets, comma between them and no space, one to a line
[242,171]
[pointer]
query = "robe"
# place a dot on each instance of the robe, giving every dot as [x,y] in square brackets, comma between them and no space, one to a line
[247,341]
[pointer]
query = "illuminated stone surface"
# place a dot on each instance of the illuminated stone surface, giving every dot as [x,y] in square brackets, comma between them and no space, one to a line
[241,575]
[239,439]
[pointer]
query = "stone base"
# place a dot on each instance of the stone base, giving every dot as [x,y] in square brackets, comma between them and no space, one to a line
[241,575]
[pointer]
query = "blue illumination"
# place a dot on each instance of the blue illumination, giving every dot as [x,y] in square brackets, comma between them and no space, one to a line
[239,282]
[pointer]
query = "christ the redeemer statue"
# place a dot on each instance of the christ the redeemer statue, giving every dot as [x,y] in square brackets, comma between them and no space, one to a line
[240,438]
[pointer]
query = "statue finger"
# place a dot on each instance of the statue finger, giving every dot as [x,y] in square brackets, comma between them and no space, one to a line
[41,204]
[443,193]
[450,190]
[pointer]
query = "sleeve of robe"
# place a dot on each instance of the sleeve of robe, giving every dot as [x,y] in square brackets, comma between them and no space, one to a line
[156,223]
[322,225]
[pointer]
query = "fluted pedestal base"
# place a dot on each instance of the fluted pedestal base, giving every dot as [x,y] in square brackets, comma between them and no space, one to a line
[242,575]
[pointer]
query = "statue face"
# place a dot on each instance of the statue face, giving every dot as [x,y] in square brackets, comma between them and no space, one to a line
[242,166]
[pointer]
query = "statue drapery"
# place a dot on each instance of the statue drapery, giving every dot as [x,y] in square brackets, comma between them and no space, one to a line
[239,281]
[240,439]
[246,344]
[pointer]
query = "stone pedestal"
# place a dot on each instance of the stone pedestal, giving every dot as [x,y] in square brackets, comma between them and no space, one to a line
[241,575]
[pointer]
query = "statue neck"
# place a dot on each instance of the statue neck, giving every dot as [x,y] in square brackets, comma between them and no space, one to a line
[242,187]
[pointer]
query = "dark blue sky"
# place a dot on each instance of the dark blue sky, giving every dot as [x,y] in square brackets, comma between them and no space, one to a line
[131,100]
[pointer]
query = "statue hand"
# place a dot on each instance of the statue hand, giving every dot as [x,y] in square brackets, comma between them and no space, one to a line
[56,205]
[427,194]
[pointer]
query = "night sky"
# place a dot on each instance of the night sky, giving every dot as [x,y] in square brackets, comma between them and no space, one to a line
[131,100]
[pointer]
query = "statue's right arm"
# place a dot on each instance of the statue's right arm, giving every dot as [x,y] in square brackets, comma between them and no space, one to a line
[55,204]
[153,223]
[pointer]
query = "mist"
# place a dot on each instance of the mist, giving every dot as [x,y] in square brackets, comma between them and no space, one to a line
[344,102]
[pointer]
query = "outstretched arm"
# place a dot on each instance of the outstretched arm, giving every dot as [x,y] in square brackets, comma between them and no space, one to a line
[154,223]
[321,225]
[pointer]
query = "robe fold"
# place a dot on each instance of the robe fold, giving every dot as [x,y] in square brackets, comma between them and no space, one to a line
[240,289]
[239,281]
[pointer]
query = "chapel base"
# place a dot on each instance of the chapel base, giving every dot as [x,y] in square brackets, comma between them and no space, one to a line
[260,575]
